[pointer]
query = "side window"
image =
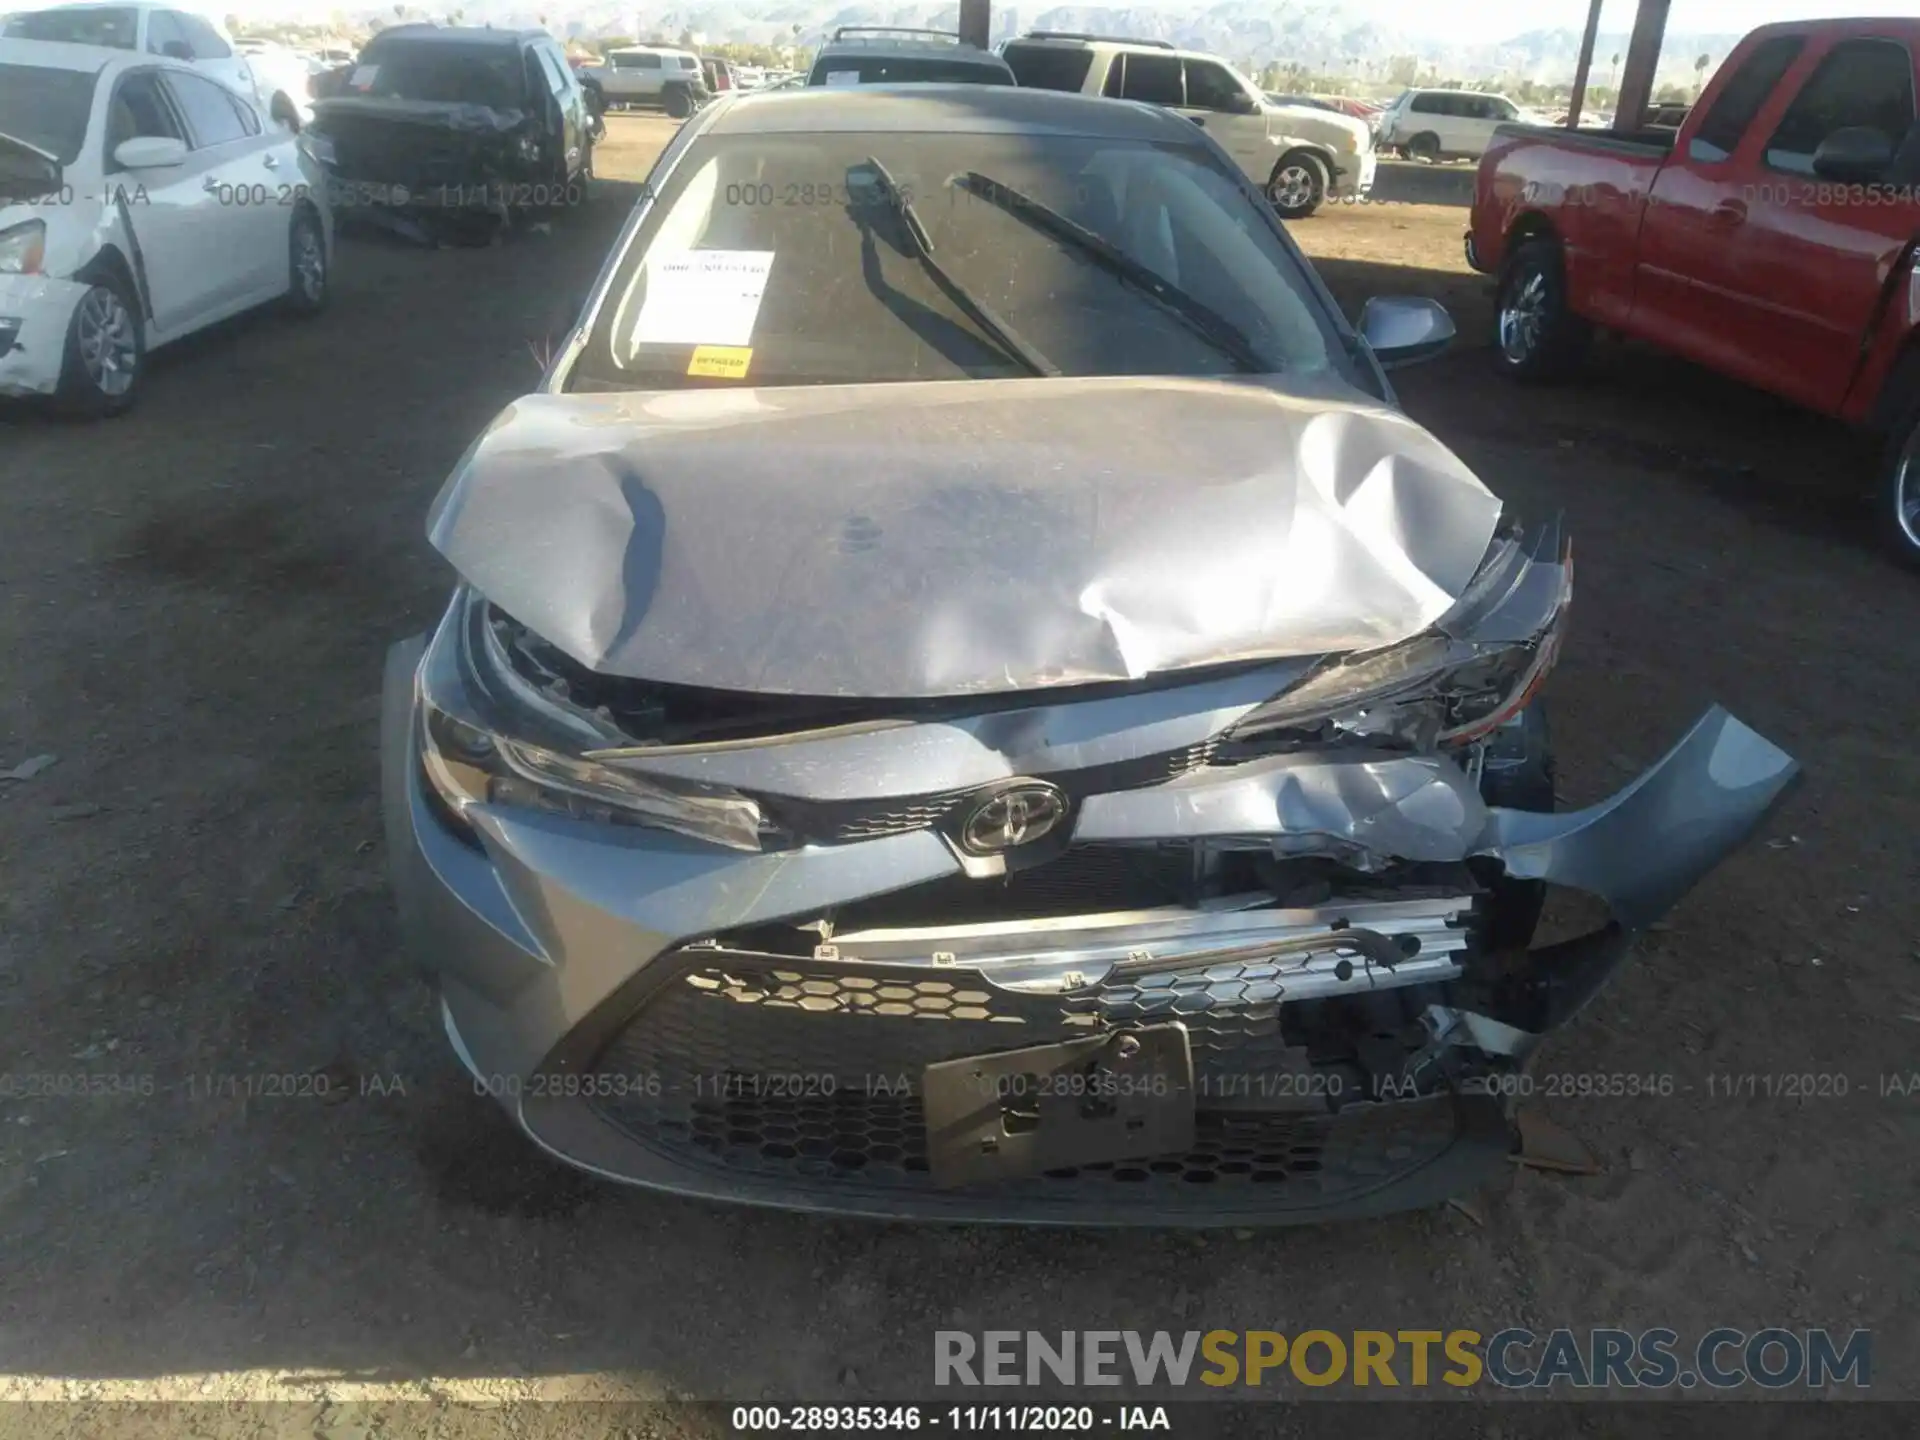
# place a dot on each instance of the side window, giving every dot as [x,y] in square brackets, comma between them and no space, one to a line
[1867,83]
[556,72]
[1741,97]
[1211,87]
[206,41]
[1503,110]
[1427,105]
[1155,79]
[646,62]
[164,29]
[1116,78]
[138,111]
[212,117]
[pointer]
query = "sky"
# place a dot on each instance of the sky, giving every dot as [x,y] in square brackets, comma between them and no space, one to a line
[1468,21]
[1497,19]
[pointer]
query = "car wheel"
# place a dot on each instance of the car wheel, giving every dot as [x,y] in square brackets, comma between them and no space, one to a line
[679,104]
[1539,338]
[307,277]
[105,354]
[1424,146]
[1298,185]
[1900,488]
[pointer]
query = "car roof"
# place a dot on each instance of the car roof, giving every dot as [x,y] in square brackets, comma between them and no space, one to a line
[956,108]
[58,55]
[455,35]
[869,40]
[1073,40]
[649,50]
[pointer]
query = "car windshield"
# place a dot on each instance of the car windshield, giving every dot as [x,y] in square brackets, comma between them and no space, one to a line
[46,108]
[1044,254]
[906,70]
[489,75]
[111,26]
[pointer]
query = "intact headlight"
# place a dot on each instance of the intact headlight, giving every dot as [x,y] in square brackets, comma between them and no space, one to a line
[1480,664]
[487,737]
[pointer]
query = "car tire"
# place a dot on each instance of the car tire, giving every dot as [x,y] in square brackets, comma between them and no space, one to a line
[1899,490]
[1298,185]
[309,280]
[678,102]
[1424,146]
[106,353]
[1537,337]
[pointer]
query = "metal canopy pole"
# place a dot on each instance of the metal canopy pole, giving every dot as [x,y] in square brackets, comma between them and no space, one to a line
[1643,58]
[1581,70]
[976,22]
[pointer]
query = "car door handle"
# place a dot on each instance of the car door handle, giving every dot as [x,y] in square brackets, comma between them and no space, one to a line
[210,184]
[1729,213]
[1199,120]
[271,162]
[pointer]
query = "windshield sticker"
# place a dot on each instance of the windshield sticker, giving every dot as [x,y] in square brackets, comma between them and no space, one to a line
[843,77]
[363,77]
[722,362]
[702,297]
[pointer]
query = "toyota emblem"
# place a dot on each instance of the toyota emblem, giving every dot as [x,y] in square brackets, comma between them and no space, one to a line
[1016,816]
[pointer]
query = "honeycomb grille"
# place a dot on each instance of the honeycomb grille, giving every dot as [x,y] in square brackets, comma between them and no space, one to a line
[812,1071]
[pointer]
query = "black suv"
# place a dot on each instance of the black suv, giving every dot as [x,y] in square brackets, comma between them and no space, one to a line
[458,120]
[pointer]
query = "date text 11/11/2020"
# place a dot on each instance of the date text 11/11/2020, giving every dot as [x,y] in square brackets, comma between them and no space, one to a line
[899,1419]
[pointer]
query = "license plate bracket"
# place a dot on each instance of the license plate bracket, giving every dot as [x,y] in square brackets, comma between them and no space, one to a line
[1126,1095]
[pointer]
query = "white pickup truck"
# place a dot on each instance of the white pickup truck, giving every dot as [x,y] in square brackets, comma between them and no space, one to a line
[649,75]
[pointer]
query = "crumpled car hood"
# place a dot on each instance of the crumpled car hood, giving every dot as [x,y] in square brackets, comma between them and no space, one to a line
[957,538]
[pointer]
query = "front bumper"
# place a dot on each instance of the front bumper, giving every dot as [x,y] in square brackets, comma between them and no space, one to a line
[35,311]
[1353,178]
[627,996]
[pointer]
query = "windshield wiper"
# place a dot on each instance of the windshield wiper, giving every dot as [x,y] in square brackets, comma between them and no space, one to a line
[975,309]
[1200,317]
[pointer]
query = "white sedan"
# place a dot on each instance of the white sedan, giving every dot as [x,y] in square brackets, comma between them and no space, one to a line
[140,201]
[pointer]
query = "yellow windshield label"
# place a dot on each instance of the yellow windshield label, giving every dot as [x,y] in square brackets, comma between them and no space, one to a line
[725,362]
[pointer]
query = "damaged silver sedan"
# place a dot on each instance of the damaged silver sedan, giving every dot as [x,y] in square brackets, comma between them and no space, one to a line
[965,698]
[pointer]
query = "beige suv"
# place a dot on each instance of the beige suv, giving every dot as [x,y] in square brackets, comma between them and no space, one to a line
[1300,156]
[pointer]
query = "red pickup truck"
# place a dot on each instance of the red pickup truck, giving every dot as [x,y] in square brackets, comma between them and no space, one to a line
[1772,236]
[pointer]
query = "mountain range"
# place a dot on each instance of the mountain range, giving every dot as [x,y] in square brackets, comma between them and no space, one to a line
[1324,37]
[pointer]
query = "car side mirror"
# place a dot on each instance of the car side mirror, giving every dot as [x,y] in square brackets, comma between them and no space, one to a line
[1404,330]
[596,100]
[1855,155]
[150,152]
[177,50]
[1243,104]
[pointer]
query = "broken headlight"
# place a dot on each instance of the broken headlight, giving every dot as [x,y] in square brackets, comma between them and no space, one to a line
[1478,666]
[487,737]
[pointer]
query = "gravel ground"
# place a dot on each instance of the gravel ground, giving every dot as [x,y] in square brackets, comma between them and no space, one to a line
[194,603]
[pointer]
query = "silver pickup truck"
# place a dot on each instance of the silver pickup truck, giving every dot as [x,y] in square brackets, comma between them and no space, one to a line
[649,75]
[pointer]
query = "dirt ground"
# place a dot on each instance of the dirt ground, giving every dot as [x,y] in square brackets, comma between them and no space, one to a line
[194,604]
